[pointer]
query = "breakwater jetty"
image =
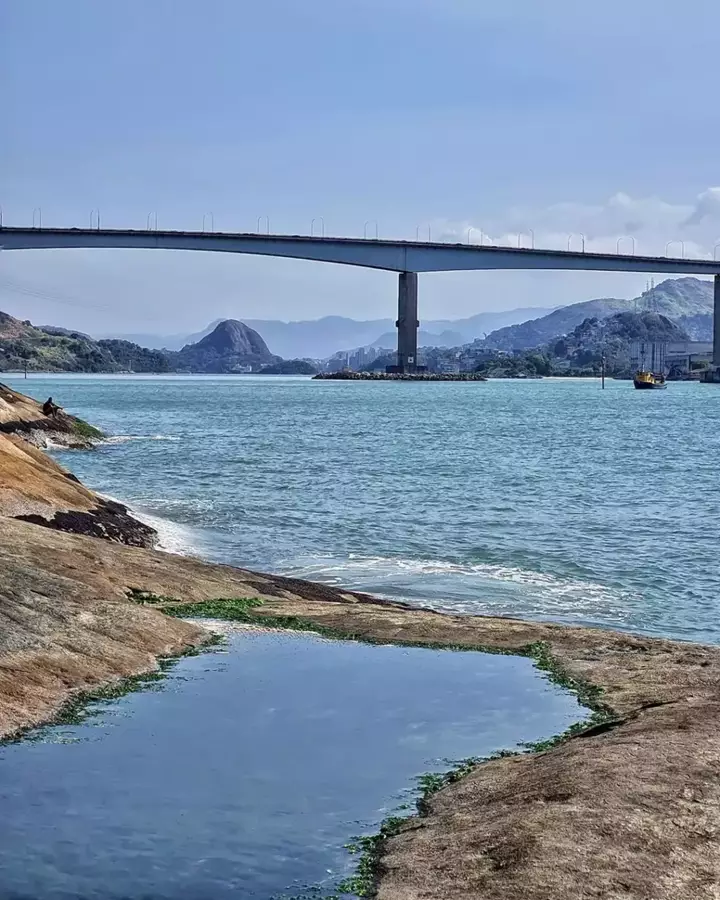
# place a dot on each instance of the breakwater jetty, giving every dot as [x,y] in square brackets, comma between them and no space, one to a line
[400,376]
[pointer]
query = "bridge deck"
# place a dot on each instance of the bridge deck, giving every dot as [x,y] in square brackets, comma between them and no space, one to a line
[395,256]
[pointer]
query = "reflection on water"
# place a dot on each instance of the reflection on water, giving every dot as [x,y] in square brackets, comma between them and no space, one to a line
[247,771]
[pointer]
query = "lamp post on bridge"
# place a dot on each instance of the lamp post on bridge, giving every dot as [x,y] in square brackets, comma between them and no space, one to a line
[531,235]
[625,237]
[682,248]
[365,228]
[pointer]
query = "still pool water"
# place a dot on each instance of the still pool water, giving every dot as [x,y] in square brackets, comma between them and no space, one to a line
[546,499]
[244,773]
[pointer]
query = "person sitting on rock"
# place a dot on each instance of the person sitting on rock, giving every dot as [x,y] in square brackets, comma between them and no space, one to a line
[50,408]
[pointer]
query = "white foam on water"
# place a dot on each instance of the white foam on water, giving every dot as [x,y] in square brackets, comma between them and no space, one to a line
[182,540]
[172,537]
[125,438]
[466,587]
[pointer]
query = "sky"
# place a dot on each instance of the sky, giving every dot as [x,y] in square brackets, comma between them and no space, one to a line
[596,120]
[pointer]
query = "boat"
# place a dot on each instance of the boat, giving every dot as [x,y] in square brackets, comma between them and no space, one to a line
[648,381]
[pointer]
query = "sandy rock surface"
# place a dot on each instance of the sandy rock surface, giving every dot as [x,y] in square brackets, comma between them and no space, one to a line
[630,810]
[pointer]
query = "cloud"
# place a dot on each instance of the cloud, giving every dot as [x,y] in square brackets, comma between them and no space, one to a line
[706,207]
[113,290]
[643,225]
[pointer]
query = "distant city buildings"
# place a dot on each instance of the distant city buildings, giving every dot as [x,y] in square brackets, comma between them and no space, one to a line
[662,356]
[447,360]
[355,359]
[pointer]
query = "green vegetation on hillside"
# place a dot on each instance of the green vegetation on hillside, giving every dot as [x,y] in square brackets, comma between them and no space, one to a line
[24,346]
[687,301]
[230,347]
[581,351]
[290,367]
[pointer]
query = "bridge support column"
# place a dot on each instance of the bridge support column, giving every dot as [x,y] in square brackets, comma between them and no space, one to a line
[407,322]
[716,321]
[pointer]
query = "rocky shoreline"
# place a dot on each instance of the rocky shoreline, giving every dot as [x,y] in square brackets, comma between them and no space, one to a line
[627,809]
[34,488]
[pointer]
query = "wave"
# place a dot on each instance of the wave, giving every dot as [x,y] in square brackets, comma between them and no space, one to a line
[467,587]
[172,537]
[182,540]
[125,438]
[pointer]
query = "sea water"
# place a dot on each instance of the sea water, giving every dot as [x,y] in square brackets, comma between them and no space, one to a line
[547,499]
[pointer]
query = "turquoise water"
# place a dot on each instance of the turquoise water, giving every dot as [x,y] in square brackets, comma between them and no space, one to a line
[546,499]
[243,774]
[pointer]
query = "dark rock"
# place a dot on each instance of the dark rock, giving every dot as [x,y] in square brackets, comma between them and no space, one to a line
[109,520]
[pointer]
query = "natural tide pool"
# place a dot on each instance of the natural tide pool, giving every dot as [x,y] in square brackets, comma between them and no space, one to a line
[245,771]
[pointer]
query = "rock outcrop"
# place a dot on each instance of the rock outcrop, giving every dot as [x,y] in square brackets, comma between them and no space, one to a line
[20,414]
[33,487]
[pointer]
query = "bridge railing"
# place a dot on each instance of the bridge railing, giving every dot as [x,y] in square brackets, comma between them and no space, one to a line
[471,235]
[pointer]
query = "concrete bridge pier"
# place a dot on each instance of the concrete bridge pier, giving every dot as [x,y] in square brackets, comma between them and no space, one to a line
[716,322]
[407,322]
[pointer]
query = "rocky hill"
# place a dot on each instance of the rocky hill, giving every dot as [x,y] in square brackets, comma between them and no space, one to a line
[230,347]
[687,301]
[537,332]
[53,349]
[613,337]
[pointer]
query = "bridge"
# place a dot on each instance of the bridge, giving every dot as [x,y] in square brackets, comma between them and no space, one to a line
[407,258]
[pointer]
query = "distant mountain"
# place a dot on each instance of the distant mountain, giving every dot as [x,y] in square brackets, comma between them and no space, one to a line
[230,347]
[537,332]
[425,339]
[320,338]
[167,341]
[687,301]
[483,323]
